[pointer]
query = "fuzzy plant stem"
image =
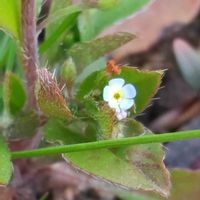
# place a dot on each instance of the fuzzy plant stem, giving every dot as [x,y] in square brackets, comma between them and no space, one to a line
[30,56]
[114,143]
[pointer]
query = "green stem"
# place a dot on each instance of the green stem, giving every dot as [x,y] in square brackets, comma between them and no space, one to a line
[167,137]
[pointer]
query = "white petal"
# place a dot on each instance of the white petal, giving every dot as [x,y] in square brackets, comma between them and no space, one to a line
[106,93]
[113,104]
[116,82]
[117,109]
[121,115]
[129,91]
[125,104]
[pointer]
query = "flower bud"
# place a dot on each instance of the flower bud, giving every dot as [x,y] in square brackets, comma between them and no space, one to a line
[68,71]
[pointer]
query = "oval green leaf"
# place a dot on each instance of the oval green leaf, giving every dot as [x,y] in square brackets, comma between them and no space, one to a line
[93,21]
[117,166]
[10,12]
[145,82]
[14,94]
[85,53]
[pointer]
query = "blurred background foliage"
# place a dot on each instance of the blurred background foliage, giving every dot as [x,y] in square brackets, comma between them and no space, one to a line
[168,37]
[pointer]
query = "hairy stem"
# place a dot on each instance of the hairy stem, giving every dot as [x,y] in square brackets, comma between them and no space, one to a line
[167,137]
[30,57]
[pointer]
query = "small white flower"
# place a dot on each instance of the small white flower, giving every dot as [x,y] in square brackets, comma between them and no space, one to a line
[119,96]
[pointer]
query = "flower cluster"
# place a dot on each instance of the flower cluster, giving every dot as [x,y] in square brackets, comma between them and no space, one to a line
[120,96]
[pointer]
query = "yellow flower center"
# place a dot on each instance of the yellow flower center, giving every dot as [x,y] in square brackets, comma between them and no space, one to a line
[118,95]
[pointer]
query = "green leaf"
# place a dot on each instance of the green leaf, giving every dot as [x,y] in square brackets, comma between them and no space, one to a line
[106,119]
[58,24]
[8,51]
[145,82]
[103,115]
[87,52]
[189,63]
[4,43]
[60,32]
[5,163]
[106,4]
[128,128]
[135,196]
[11,56]
[93,21]
[148,158]
[10,17]
[14,94]
[95,81]
[1,98]
[59,14]
[23,126]
[101,4]
[49,96]
[111,166]
[57,130]
[104,164]
[185,185]
[38,6]
[93,67]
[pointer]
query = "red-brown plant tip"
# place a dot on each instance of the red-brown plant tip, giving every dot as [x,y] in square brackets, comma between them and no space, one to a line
[49,97]
[112,68]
